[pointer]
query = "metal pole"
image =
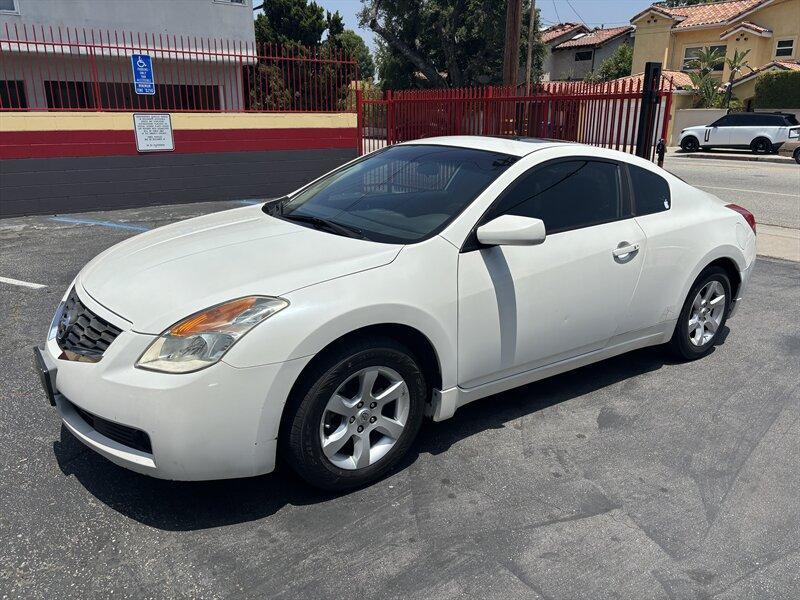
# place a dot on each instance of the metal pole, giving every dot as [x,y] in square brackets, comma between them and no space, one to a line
[647,110]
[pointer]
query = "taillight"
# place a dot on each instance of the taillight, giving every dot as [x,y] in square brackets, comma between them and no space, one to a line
[748,216]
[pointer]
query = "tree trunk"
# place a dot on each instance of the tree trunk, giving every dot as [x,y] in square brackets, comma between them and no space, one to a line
[430,72]
[511,53]
[531,36]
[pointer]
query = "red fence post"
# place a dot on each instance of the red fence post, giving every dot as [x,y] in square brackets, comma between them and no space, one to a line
[487,115]
[359,120]
[390,132]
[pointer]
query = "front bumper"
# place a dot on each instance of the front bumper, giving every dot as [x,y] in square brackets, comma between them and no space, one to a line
[217,423]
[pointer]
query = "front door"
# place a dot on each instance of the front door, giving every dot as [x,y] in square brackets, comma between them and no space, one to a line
[523,307]
[718,133]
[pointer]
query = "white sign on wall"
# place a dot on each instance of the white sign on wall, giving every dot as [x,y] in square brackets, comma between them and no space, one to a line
[153,132]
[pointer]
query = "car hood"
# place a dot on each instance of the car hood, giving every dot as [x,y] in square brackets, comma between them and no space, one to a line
[159,277]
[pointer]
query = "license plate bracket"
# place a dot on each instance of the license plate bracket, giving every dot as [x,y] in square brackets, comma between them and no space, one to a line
[46,372]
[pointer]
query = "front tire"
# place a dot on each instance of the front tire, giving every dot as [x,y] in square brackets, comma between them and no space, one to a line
[355,414]
[690,144]
[761,145]
[703,315]
[797,156]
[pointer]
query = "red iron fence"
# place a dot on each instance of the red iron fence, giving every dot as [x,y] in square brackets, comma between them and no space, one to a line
[604,114]
[71,69]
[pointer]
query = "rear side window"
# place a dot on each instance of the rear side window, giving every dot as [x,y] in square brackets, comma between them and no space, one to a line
[650,191]
[567,195]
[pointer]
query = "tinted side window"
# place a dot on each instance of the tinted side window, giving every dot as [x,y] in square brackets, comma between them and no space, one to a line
[722,122]
[567,195]
[650,191]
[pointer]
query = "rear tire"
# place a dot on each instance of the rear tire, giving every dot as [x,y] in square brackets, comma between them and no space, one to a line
[797,156]
[340,431]
[703,315]
[690,144]
[761,145]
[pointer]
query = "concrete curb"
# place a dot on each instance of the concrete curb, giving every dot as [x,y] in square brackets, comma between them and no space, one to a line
[782,160]
[778,242]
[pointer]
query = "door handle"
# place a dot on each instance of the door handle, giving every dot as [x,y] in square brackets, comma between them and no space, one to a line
[623,251]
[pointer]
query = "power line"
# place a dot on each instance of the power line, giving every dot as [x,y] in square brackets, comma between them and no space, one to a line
[575,11]
[556,9]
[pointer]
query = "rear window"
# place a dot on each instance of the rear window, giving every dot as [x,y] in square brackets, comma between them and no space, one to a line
[792,120]
[650,191]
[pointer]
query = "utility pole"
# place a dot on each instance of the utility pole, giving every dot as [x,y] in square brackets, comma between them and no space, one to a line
[529,62]
[511,53]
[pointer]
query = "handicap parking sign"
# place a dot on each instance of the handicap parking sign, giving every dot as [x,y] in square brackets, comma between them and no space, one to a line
[143,82]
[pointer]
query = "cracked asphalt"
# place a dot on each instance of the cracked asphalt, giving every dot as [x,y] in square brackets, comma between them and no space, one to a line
[637,477]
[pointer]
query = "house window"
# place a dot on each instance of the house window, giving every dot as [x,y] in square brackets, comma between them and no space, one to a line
[12,94]
[690,54]
[584,55]
[8,6]
[784,49]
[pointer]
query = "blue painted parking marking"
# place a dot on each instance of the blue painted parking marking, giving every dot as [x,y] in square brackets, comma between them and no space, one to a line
[101,223]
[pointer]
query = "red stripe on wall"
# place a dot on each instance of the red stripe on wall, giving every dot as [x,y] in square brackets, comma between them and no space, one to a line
[48,144]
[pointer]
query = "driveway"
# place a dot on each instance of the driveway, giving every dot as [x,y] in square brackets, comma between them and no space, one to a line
[634,478]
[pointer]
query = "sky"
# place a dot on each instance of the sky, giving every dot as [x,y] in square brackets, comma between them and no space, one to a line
[594,13]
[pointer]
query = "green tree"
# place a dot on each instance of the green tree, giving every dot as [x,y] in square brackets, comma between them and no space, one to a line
[736,64]
[354,45]
[706,86]
[615,66]
[290,22]
[441,43]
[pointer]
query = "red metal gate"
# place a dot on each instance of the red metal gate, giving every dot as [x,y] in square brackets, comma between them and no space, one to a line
[602,114]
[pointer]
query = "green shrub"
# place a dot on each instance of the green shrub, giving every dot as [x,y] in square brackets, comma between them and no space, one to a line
[780,89]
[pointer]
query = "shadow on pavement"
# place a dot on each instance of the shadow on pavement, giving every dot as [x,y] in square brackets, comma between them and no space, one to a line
[183,506]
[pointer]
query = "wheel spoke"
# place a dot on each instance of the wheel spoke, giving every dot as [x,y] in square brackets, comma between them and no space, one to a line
[390,393]
[341,406]
[696,305]
[367,383]
[334,442]
[361,451]
[390,427]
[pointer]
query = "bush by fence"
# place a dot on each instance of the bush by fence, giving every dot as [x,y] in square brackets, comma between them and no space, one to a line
[778,90]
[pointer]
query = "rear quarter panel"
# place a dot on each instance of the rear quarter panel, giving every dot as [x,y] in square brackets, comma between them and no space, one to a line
[681,242]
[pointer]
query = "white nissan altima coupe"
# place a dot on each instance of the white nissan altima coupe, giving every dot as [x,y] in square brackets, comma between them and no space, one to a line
[324,326]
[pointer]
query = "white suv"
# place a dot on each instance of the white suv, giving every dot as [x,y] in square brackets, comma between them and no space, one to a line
[763,133]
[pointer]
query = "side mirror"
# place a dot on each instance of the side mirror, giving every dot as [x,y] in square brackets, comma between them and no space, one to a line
[511,230]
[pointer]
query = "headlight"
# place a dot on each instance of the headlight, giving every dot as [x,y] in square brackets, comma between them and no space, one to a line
[201,339]
[53,331]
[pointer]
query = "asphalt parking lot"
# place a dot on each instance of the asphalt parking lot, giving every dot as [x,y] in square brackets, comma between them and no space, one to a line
[634,478]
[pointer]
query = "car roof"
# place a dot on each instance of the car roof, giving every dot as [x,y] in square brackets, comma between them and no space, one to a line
[505,145]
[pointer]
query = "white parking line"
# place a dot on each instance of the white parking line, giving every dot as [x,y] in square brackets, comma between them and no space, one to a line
[28,284]
[714,187]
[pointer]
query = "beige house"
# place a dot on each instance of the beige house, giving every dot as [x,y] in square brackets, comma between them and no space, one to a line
[770,29]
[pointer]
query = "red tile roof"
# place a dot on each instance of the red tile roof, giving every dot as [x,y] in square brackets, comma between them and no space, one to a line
[775,64]
[699,15]
[679,79]
[598,37]
[751,27]
[556,31]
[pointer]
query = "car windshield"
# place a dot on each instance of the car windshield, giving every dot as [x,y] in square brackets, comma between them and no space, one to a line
[402,195]
[792,120]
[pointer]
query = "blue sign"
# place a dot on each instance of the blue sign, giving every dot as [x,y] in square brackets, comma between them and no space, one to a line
[143,81]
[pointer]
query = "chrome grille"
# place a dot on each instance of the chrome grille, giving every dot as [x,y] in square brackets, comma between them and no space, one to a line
[82,332]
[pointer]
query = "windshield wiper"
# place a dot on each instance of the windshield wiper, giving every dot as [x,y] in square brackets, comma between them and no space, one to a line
[331,226]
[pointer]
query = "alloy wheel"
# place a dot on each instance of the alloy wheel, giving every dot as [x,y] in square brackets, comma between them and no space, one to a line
[705,317]
[364,418]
